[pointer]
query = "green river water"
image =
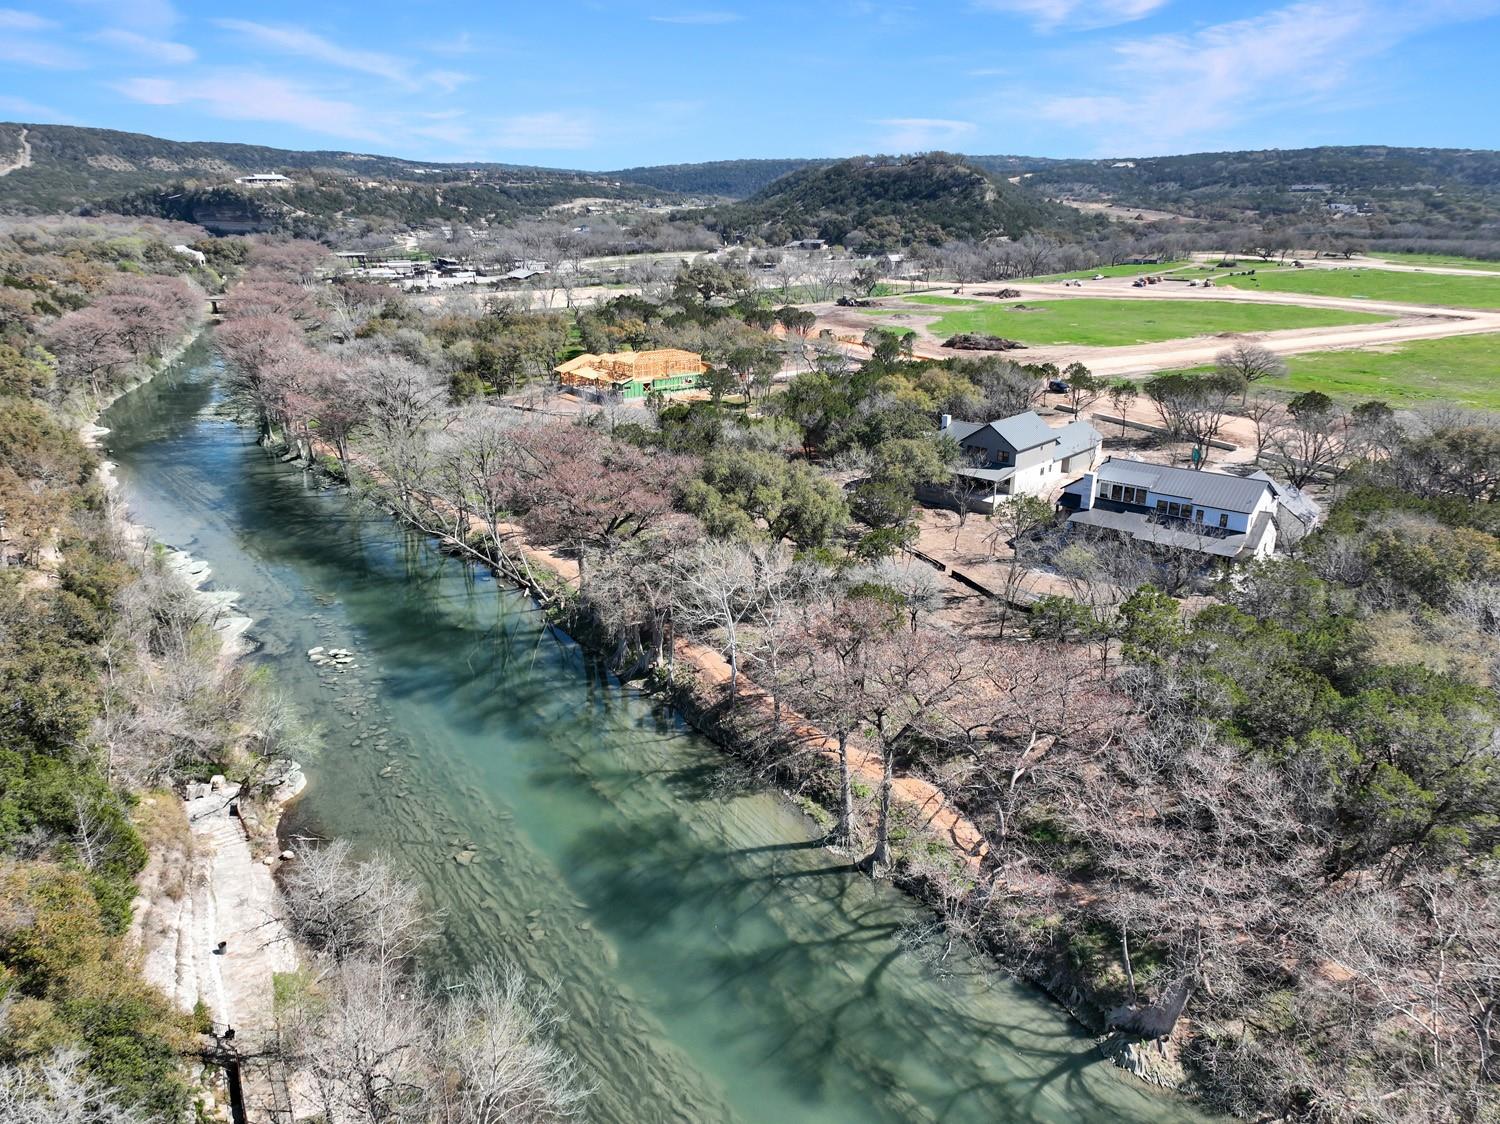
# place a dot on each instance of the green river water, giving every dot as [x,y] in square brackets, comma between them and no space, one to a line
[714,963]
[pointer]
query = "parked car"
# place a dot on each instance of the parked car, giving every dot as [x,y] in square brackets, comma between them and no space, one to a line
[1057,386]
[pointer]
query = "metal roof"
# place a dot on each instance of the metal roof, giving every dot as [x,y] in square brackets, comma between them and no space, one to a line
[1074,438]
[1203,487]
[1020,432]
[1140,526]
[958,430]
[1024,431]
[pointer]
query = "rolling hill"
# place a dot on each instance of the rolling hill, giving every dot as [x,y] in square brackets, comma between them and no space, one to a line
[73,168]
[886,202]
[1381,191]
[1456,188]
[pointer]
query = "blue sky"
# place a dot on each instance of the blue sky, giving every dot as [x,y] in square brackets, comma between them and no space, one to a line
[603,84]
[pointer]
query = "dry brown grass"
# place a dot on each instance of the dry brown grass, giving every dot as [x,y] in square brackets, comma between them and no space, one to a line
[162,821]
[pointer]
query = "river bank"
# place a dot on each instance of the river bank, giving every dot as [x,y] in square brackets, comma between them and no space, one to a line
[207,924]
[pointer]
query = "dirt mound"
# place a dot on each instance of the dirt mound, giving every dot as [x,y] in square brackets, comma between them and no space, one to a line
[1003,294]
[971,341]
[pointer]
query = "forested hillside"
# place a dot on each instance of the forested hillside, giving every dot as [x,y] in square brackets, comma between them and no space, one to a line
[105,674]
[879,203]
[1389,193]
[103,171]
[1451,188]
[737,179]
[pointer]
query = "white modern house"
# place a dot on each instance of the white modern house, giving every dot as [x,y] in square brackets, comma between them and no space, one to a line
[1213,513]
[1019,455]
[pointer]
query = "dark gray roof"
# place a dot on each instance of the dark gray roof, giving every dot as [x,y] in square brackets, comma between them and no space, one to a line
[1205,488]
[959,430]
[1021,432]
[1074,438]
[1175,533]
[1024,431]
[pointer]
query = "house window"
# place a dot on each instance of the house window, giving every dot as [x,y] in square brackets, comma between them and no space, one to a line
[1223,521]
[1198,515]
[1161,507]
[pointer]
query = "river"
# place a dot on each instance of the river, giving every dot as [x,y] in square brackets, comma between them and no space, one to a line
[712,961]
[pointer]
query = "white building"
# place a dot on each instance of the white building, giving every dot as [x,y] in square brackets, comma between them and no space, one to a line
[1211,513]
[264,179]
[1020,455]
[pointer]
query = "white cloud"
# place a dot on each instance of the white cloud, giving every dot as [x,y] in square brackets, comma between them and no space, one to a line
[19,109]
[23,50]
[1169,93]
[308,44]
[243,96]
[916,134]
[147,15]
[19,43]
[460,44]
[699,19]
[161,50]
[543,130]
[480,140]
[153,91]
[1049,15]
[12,19]
[448,80]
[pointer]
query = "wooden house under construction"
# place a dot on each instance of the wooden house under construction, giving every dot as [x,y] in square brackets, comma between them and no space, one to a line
[634,374]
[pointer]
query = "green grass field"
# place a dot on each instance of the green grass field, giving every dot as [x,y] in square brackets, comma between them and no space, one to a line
[953,302]
[1108,271]
[1114,323]
[1461,369]
[1441,259]
[1379,284]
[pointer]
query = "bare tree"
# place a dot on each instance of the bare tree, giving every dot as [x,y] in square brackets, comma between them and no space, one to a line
[914,682]
[349,909]
[1016,522]
[716,590]
[1265,413]
[1122,396]
[1192,407]
[1248,362]
[1311,439]
[491,1047]
[58,1090]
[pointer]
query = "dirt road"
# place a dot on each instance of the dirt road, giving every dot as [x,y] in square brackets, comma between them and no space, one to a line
[22,158]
